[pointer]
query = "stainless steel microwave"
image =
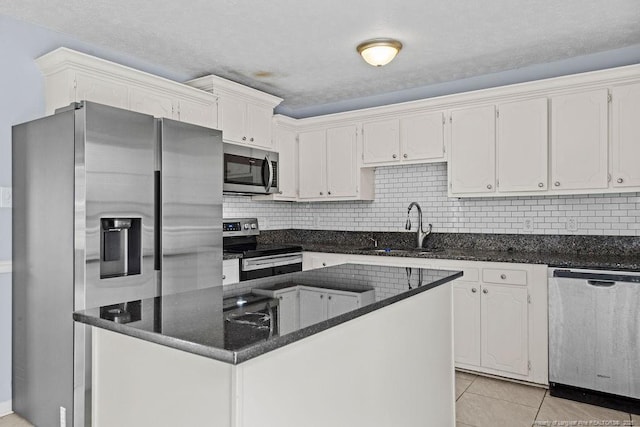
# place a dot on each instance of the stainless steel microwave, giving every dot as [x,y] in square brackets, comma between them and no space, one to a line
[249,170]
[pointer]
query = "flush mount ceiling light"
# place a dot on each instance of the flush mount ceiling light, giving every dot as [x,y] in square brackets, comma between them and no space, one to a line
[379,52]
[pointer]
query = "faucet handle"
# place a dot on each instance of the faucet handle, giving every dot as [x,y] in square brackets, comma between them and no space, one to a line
[407,226]
[429,229]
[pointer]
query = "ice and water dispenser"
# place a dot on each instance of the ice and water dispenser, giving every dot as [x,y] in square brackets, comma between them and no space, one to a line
[120,247]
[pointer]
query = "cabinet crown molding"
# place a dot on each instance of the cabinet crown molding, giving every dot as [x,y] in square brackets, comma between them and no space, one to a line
[220,86]
[63,59]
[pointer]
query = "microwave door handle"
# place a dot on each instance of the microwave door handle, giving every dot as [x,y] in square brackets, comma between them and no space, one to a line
[270,179]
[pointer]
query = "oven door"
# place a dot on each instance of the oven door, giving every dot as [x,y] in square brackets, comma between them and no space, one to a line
[272,265]
[247,170]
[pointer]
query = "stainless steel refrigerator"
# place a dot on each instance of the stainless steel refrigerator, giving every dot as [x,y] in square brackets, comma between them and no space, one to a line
[109,206]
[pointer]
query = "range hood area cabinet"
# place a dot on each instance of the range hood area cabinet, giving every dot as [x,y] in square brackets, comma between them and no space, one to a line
[244,114]
[71,76]
[329,167]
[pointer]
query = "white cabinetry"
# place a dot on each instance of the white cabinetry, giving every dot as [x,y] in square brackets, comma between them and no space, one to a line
[230,271]
[410,138]
[328,165]
[311,260]
[317,304]
[245,114]
[472,155]
[466,334]
[579,140]
[625,143]
[313,306]
[73,76]
[522,135]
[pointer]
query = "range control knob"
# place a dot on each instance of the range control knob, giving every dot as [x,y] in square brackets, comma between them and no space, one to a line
[254,226]
[246,226]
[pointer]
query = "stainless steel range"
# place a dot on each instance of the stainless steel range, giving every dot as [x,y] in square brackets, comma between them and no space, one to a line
[258,260]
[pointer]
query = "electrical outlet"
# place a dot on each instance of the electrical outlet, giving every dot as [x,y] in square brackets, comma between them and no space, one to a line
[572,224]
[6,197]
[527,225]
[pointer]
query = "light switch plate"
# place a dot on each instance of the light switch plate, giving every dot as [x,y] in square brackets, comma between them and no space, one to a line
[527,225]
[6,197]
[572,224]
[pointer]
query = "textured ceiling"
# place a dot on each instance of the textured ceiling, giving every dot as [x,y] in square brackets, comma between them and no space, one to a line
[304,51]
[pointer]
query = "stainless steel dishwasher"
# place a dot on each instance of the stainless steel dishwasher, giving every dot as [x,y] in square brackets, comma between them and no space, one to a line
[594,337]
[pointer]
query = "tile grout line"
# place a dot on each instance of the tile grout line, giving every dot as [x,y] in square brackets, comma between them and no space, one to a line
[503,400]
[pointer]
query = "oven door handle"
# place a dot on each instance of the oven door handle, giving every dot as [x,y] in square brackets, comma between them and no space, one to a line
[249,264]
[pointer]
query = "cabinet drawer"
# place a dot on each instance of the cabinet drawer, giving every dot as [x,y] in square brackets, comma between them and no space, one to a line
[470,274]
[501,275]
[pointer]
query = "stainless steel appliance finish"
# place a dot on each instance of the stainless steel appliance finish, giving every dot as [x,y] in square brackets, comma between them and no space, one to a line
[594,336]
[86,233]
[249,170]
[240,237]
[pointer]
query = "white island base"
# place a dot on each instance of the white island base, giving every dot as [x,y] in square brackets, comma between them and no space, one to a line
[389,367]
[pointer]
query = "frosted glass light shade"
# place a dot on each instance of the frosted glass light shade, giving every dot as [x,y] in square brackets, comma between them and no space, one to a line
[379,52]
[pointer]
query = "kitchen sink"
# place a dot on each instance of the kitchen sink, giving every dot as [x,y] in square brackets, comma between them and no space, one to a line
[389,250]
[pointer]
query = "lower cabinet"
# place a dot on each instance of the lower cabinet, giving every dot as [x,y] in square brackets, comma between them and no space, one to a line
[230,271]
[288,315]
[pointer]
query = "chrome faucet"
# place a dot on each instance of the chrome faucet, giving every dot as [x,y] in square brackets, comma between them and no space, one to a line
[420,234]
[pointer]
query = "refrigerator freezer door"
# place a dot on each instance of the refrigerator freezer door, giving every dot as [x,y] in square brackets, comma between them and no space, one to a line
[191,209]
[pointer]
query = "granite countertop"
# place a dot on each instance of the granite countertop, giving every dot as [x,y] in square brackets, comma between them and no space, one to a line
[194,321]
[591,252]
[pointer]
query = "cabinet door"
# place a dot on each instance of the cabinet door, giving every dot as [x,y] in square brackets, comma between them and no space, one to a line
[626,136]
[230,271]
[232,119]
[259,120]
[522,140]
[287,147]
[312,156]
[149,102]
[579,140]
[381,143]
[288,320]
[198,113]
[313,307]
[338,304]
[466,322]
[104,91]
[472,158]
[422,137]
[505,339]
[342,164]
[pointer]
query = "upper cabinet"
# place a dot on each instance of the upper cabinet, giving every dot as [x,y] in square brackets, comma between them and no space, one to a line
[579,140]
[472,155]
[625,143]
[71,76]
[245,115]
[328,165]
[411,138]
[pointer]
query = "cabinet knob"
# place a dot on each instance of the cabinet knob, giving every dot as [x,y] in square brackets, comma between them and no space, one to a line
[329,192]
[324,264]
[321,296]
[244,138]
[485,291]
[251,139]
[321,193]
[557,183]
[224,277]
[489,186]
[474,290]
[620,180]
[540,184]
[395,156]
[329,297]
[280,297]
[503,276]
[405,155]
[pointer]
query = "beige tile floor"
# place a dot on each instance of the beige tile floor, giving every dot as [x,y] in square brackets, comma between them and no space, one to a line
[488,402]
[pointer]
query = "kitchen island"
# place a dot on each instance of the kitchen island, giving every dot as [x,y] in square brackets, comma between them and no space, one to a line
[387,363]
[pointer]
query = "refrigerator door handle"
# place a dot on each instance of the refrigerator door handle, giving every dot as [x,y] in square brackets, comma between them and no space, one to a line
[269,181]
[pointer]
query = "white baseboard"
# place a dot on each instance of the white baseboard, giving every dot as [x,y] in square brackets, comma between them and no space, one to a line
[6,408]
[5,267]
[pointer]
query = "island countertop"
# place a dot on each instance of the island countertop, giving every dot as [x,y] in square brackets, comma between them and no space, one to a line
[193,321]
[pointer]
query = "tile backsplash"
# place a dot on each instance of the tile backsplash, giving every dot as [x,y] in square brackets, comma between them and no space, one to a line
[397,186]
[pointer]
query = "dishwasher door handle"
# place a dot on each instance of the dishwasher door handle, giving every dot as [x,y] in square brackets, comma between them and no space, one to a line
[601,283]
